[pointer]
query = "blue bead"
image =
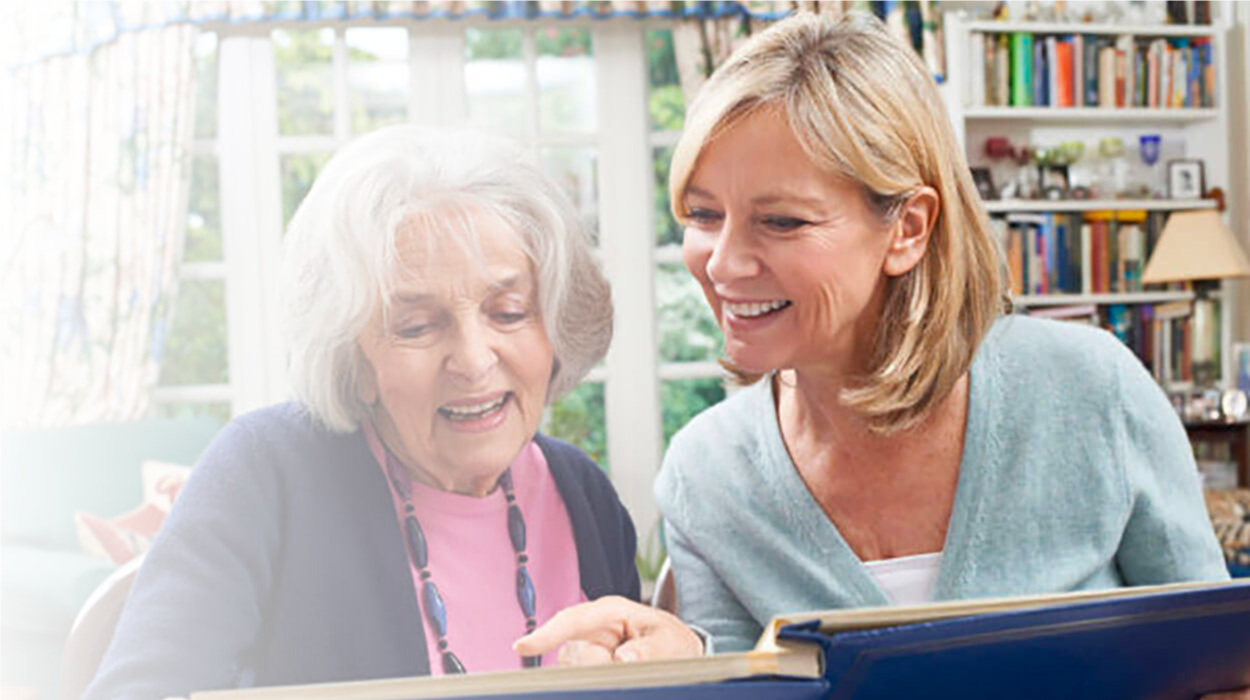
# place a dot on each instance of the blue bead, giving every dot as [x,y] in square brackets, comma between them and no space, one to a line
[505,481]
[516,528]
[435,610]
[525,591]
[416,543]
[451,664]
[531,661]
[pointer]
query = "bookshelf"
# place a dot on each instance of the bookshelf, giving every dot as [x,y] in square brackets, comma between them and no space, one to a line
[1200,130]
[1065,115]
[1073,205]
[995,26]
[1038,300]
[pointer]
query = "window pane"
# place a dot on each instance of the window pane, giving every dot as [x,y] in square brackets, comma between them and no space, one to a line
[667,230]
[203,243]
[684,399]
[298,172]
[304,60]
[665,103]
[206,86]
[215,409]
[494,80]
[688,331]
[576,169]
[195,351]
[578,418]
[566,80]
[377,77]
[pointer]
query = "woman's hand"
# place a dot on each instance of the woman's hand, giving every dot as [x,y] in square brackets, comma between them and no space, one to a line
[612,629]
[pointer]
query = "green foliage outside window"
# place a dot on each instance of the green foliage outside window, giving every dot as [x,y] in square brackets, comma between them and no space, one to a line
[578,418]
[685,399]
[195,349]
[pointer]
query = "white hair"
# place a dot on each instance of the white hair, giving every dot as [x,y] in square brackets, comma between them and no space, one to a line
[340,259]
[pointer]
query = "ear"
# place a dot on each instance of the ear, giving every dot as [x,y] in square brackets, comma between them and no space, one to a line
[366,381]
[911,230]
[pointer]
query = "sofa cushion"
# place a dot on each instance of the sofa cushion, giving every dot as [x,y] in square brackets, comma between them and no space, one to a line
[47,474]
[130,534]
[45,588]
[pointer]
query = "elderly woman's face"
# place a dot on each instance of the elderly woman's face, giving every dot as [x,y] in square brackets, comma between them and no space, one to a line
[790,258]
[458,366]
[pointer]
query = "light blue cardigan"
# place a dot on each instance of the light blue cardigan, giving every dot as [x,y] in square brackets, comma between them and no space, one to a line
[1076,474]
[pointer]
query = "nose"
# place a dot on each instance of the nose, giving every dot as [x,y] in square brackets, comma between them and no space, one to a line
[473,355]
[733,256]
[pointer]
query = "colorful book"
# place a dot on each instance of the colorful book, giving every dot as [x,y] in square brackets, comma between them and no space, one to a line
[1021,69]
[1063,74]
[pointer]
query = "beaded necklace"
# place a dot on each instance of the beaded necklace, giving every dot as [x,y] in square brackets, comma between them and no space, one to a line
[431,600]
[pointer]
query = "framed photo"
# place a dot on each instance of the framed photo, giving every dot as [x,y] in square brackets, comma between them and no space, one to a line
[1241,365]
[985,183]
[1185,179]
[1055,181]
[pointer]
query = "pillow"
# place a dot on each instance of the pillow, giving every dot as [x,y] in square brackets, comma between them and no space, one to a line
[128,535]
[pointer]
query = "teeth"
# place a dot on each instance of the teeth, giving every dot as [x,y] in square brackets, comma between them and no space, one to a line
[473,409]
[755,309]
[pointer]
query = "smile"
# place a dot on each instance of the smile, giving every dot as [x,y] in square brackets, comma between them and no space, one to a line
[755,309]
[465,412]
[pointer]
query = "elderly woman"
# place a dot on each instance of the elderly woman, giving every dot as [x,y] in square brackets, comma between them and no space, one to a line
[403,516]
[901,441]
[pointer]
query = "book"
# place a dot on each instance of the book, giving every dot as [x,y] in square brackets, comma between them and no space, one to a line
[1021,69]
[1175,640]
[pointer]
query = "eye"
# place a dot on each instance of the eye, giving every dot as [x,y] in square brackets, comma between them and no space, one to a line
[703,216]
[510,318]
[784,223]
[412,331]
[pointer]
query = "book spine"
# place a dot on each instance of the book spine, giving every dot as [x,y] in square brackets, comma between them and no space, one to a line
[1106,76]
[1021,69]
[1038,85]
[1091,71]
[1050,60]
[1063,73]
[976,93]
[1087,260]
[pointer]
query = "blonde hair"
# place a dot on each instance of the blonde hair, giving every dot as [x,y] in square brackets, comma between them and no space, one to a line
[864,107]
[340,259]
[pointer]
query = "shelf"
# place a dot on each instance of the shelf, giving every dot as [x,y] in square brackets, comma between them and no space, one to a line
[1060,115]
[995,27]
[1019,205]
[1125,298]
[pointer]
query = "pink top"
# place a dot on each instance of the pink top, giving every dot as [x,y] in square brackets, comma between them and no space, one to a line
[472,562]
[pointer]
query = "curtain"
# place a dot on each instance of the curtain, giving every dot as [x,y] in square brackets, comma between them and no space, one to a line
[702,41]
[97,140]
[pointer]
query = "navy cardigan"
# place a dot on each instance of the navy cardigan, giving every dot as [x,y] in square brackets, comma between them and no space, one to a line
[283,563]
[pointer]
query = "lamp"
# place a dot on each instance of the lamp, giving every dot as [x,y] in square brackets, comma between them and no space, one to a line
[1195,246]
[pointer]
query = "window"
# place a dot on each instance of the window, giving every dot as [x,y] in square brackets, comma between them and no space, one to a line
[287,99]
[195,368]
[689,341]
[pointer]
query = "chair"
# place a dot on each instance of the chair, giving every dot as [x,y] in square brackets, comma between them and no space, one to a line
[664,595]
[92,631]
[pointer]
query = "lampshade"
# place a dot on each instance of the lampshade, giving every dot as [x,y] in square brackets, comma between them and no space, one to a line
[1195,245]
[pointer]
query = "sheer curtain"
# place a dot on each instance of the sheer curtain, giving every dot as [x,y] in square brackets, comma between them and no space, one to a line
[97,141]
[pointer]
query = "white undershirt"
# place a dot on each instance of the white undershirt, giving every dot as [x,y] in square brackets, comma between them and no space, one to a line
[906,580]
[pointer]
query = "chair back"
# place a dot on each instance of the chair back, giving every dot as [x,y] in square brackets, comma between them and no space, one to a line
[664,595]
[92,631]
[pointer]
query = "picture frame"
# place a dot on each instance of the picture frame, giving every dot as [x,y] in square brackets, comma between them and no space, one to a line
[1055,182]
[1185,179]
[985,183]
[1241,366]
